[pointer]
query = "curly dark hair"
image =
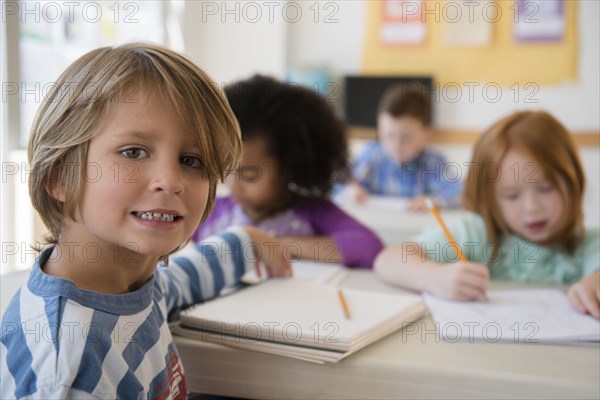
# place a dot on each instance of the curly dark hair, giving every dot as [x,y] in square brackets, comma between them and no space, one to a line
[301,129]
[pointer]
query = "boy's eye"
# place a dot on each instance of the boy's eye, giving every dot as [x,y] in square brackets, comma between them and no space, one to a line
[191,161]
[134,152]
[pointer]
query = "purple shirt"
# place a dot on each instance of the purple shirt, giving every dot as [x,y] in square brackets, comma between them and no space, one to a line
[357,244]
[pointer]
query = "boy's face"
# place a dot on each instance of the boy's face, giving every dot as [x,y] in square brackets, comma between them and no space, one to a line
[402,138]
[257,183]
[530,205]
[143,163]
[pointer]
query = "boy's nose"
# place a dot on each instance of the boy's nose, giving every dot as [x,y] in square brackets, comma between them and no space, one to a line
[167,178]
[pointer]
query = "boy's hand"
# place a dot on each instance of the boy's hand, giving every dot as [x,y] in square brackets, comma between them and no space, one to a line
[269,250]
[417,204]
[461,281]
[585,295]
[356,193]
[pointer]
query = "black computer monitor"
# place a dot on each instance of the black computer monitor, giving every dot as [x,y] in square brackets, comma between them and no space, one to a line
[361,95]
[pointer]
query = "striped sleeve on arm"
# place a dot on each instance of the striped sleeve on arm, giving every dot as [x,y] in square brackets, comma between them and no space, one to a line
[202,271]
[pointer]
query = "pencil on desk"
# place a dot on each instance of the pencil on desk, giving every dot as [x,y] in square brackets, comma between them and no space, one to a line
[344,304]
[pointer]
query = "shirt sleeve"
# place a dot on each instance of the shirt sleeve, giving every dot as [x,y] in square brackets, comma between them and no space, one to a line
[468,231]
[363,170]
[357,244]
[443,180]
[200,272]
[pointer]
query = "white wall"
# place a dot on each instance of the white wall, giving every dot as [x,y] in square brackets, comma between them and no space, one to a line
[234,39]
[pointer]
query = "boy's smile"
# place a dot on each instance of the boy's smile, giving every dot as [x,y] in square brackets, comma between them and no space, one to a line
[160,218]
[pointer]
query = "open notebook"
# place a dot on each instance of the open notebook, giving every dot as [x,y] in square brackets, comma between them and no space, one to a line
[525,316]
[299,319]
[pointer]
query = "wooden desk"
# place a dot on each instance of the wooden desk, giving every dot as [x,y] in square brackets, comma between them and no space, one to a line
[403,365]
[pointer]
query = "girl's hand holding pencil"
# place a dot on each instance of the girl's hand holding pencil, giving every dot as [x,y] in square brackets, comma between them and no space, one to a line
[462,280]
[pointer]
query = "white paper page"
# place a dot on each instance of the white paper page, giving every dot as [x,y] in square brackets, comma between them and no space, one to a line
[467,24]
[306,270]
[526,316]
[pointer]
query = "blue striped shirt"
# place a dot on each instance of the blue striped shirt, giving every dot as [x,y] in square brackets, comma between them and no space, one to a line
[430,174]
[59,341]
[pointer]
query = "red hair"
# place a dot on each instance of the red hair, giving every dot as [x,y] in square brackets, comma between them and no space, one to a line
[543,138]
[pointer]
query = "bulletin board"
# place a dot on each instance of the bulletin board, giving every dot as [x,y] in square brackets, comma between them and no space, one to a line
[503,58]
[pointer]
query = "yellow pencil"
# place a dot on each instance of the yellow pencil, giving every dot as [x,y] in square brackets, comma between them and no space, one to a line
[447,232]
[344,304]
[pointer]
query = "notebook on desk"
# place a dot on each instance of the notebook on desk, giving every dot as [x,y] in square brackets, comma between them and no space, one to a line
[519,316]
[300,319]
[329,273]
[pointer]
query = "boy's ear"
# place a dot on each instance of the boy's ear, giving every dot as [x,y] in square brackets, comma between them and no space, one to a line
[428,130]
[55,187]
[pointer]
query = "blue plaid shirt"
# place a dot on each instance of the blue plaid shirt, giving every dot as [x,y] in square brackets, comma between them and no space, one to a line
[430,174]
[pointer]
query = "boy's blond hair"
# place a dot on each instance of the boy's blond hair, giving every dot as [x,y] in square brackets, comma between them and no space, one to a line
[544,139]
[75,108]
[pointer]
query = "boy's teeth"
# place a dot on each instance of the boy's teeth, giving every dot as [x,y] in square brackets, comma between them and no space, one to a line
[156,216]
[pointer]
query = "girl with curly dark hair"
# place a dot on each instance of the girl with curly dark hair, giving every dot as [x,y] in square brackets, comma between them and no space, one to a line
[294,150]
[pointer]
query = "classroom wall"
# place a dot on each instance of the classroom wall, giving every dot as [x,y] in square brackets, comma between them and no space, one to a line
[339,46]
[232,40]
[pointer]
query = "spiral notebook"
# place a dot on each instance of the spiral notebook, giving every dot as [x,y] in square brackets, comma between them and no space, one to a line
[300,319]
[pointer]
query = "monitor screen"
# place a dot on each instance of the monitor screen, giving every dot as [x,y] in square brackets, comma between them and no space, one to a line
[361,95]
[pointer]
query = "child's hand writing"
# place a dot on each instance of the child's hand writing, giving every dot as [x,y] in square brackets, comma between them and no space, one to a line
[356,193]
[461,281]
[417,204]
[270,251]
[585,295]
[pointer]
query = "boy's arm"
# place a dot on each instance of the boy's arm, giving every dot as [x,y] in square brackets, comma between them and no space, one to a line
[355,192]
[202,271]
[407,266]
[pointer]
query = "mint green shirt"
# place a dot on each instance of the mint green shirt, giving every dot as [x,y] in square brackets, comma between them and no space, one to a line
[517,259]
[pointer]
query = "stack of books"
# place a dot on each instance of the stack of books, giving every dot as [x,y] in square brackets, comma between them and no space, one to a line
[301,319]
